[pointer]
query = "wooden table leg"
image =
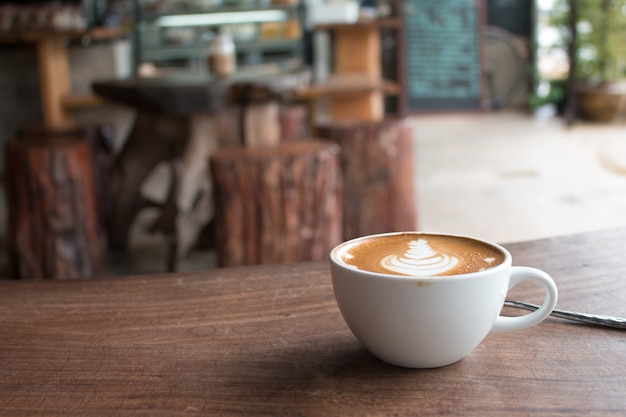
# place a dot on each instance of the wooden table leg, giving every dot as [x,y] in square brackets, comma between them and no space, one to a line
[154,138]
[189,207]
[185,144]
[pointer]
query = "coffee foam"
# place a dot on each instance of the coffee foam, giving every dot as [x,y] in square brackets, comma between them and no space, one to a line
[420,255]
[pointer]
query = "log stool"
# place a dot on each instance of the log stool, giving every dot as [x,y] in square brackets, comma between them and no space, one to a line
[377,168]
[276,203]
[100,138]
[52,216]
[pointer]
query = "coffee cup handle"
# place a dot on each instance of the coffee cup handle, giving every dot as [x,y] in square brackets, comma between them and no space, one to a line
[505,324]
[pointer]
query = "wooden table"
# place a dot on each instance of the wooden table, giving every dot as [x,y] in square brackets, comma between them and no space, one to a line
[270,341]
[180,119]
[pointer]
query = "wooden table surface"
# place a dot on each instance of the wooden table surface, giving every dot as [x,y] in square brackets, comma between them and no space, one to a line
[187,93]
[270,341]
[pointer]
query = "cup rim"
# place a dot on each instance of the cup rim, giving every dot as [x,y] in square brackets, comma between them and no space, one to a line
[507,262]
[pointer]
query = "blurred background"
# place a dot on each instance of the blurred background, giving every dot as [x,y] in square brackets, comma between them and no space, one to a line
[517,107]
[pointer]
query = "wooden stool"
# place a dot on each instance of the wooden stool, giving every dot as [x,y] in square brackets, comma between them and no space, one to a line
[276,203]
[377,168]
[100,138]
[52,216]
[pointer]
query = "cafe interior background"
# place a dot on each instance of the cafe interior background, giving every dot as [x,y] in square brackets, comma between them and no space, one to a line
[511,138]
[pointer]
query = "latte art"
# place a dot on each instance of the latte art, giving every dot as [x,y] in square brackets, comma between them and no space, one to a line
[415,254]
[419,260]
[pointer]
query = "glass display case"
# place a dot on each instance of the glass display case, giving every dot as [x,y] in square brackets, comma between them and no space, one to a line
[176,33]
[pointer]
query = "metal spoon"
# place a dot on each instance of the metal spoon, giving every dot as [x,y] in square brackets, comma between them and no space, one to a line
[595,319]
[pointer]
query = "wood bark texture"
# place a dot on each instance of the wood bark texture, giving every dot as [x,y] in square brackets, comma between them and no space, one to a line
[53,221]
[377,168]
[100,138]
[277,203]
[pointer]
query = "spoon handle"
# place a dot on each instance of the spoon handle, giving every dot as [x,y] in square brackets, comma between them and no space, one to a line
[596,319]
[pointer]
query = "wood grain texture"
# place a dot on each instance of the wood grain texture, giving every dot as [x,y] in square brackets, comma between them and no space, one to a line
[270,341]
[357,52]
[100,139]
[276,203]
[54,79]
[377,168]
[51,201]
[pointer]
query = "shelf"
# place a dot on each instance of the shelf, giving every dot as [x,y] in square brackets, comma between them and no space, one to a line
[357,89]
[197,50]
[81,102]
[278,23]
[53,68]
[361,24]
[148,16]
[40,36]
[339,85]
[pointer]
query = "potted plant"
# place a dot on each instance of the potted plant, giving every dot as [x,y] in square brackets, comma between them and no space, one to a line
[601,59]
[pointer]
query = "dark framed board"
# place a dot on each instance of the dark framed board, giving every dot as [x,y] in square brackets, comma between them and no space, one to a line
[515,16]
[442,55]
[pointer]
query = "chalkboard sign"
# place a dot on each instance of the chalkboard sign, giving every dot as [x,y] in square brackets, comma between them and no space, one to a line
[442,54]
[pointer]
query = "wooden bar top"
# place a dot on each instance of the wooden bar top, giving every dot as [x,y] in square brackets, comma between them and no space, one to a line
[269,340]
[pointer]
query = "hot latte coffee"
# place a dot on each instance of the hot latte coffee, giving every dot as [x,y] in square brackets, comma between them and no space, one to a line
[419,254]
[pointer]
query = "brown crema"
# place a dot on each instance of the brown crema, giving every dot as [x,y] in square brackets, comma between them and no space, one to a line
[429,254]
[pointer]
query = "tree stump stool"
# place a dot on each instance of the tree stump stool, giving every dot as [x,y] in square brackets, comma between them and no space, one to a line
[100,139]
[278,203]
[377,168]
[52,216]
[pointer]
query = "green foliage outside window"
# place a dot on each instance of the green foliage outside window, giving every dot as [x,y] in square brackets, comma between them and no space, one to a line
[601,38]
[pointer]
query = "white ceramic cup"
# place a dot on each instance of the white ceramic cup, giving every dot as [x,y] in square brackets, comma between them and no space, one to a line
[431,321]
